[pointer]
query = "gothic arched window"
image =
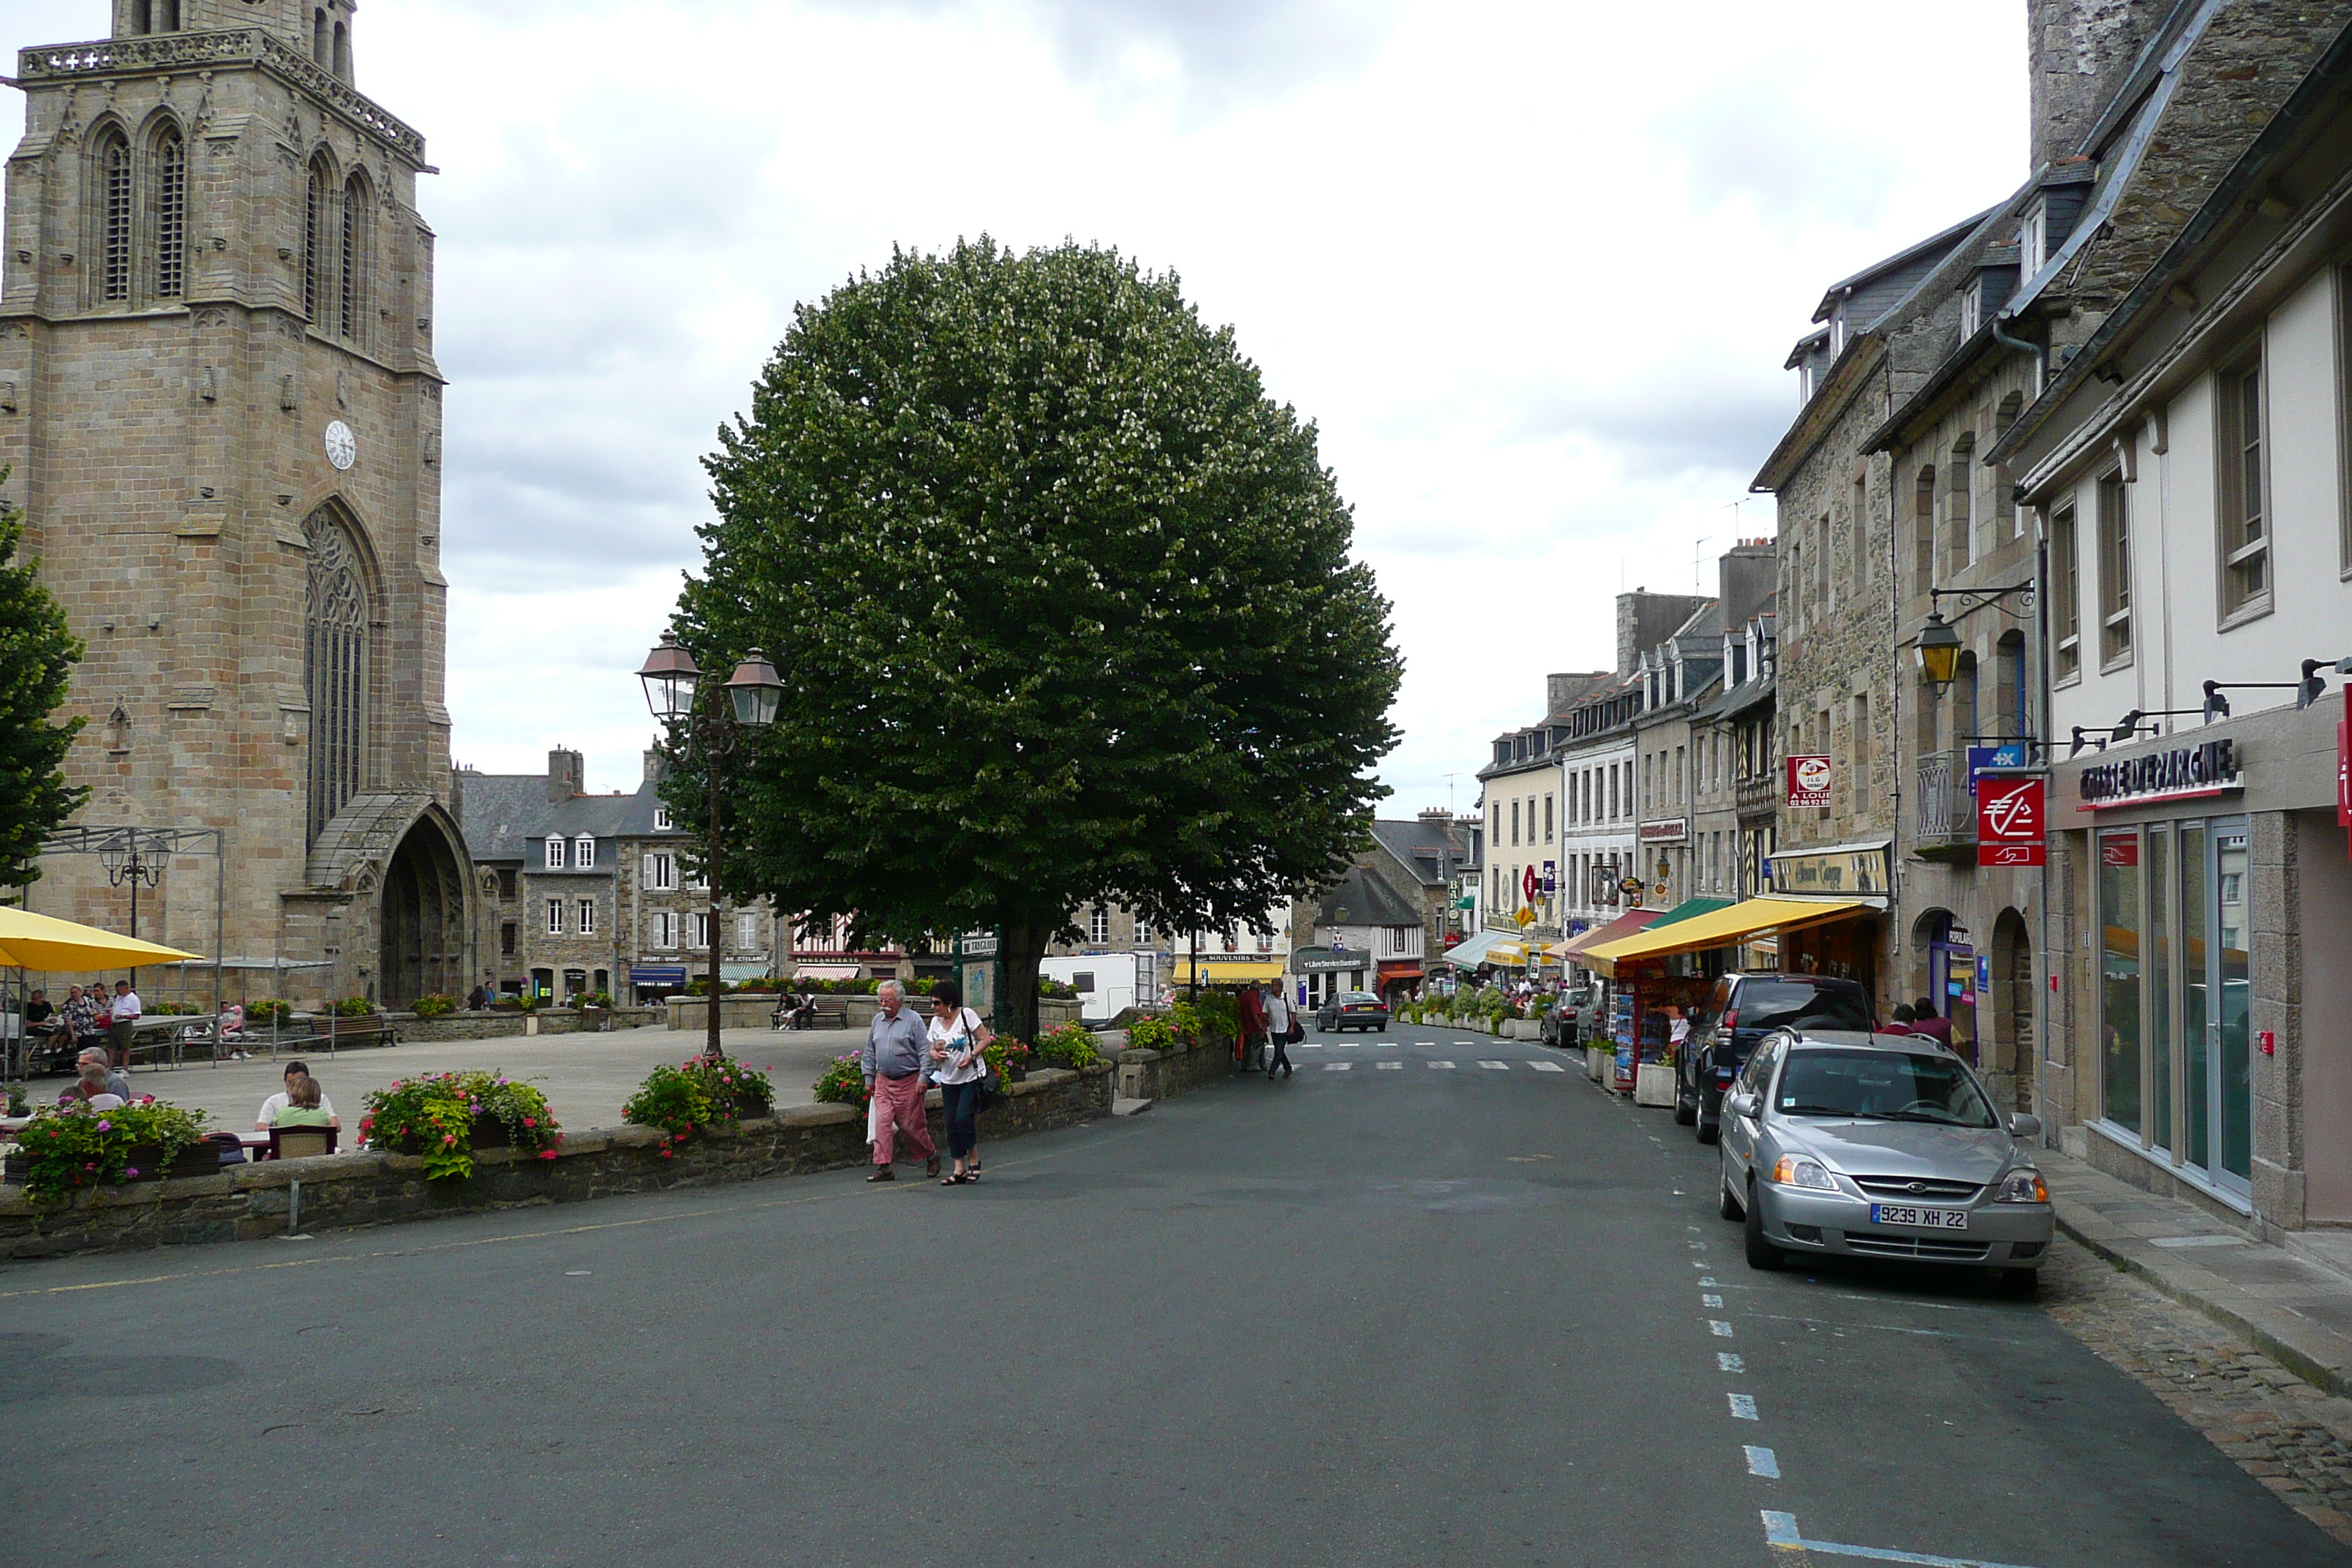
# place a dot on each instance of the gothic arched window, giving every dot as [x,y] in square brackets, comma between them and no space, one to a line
[114,215]
[353,257]
[335,668]
[171,214]
[316,217]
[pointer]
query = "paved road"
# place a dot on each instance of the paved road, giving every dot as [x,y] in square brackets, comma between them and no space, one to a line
[1406,1307]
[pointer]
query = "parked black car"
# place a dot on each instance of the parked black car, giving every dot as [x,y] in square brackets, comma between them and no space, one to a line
[1570,1023]
[1741,1011]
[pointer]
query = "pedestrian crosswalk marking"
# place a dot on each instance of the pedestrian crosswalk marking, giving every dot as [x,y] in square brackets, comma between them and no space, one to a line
[1547,1066]
[1780,1534]
[1725,1361]
[1760,1462]
[1719,1328]
[1710,1300]
[1441,1062]
[1499,1066]
[1389,1067]
[1338,1067]
[1743,1407]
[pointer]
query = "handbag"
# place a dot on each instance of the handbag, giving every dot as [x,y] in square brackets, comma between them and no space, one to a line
[991,1092]
[1297,1032]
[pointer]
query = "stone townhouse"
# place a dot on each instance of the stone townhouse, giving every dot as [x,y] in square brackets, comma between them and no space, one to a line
[1836,666]
[1429,857]
[2187,467]
[1597,839]
[597,893]
[1678,677]
[1367,935]
[220,410]
[1520,807]
[1731,755]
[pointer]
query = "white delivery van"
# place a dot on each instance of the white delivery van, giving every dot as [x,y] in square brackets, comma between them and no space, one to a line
[1107,983]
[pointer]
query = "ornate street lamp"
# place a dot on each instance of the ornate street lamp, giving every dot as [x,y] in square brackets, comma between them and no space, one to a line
[124,863]
[709,730]
[1939,653]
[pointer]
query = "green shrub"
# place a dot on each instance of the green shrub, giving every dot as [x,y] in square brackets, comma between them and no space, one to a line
[696,1093]
[352,1007]
[1069,1046]
[1152,1034]
[844,1082]
[434,1006]
[1004,1053]
[273,1010]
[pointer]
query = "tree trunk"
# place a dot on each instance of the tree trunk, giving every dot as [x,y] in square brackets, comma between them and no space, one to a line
[1021,946]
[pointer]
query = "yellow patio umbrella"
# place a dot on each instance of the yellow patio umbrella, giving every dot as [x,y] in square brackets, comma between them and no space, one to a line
[44,943]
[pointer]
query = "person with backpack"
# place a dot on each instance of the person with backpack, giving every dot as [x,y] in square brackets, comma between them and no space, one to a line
[958,1037]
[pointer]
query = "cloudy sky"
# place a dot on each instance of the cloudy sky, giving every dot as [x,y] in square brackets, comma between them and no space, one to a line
[1531,268]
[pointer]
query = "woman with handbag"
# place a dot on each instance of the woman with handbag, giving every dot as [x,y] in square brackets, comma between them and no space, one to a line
[1279,1022]
[958,1037]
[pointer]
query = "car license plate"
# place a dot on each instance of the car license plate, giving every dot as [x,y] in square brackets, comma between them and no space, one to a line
[1926,1219]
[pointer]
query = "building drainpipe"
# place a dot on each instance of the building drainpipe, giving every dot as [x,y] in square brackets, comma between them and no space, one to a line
[2043,1007]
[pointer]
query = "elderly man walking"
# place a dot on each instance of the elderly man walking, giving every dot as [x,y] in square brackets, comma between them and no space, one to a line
[897,1049]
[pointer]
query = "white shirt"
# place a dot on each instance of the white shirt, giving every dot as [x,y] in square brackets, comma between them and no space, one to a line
[127,1007]
[958,1040]
[1277,1011]
[278,1102]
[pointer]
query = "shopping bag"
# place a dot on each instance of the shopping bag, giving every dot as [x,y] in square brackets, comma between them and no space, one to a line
[873,1118]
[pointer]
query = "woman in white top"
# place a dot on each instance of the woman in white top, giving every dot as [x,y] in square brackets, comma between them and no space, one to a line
[957,1067]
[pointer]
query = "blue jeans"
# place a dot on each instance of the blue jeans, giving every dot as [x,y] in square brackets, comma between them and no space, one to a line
[961,1103]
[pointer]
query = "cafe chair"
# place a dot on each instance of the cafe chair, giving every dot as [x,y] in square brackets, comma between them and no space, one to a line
[301,1143]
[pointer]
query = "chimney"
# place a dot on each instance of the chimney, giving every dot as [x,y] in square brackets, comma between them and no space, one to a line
[1436,816]
[653,769]
[565,772]
[2077,52]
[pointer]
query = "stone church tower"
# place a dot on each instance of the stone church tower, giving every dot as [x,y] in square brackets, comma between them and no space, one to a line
[220,411]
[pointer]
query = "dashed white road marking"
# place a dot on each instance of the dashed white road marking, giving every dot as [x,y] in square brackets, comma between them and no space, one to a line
[1338,1067]
[1441,1062]
[1719,1328]
[1781,1533]
[1465,1042]
[1547,1066]
[1389,1067]
[1709,1301]
[1725,1361]
[1743,1407]
[1499,1066]
[1311,1044]
[1760,1462]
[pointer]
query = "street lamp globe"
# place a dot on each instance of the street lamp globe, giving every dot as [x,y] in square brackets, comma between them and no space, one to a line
[669,675]
[757,691]
[1939,653]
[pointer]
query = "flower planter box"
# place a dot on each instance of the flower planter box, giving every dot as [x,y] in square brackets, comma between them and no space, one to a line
[489,1133]
[747,1109]
[1654,1084]
[1599,1062]
[196,1160]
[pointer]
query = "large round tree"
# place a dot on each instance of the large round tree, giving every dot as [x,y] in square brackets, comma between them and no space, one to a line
[1063,605]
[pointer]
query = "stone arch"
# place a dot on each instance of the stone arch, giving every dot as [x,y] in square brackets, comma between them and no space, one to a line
[163,206]
[425,914]
[1929,929]
[2012,1003]
[112,207]
[342,602]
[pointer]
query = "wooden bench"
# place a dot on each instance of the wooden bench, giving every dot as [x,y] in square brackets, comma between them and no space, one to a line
[308,1033]
[824,1013]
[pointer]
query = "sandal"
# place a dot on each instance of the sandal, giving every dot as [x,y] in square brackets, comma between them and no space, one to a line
[955,1181]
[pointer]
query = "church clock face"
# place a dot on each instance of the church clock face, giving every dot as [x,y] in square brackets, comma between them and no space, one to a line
[343,447]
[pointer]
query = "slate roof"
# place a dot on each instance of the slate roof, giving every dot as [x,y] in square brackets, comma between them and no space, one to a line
[1369,900]
[504,814]
[1427,849]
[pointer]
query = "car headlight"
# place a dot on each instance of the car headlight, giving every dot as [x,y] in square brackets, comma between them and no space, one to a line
[2023,1186]
[1791,1172]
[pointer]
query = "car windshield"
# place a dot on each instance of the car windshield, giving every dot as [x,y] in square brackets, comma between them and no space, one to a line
[1892,1086]
[1774,1003]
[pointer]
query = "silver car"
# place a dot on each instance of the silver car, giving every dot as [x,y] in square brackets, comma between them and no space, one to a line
[1879,1146]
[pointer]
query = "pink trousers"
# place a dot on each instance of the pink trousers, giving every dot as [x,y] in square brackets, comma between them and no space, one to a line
[901,1100]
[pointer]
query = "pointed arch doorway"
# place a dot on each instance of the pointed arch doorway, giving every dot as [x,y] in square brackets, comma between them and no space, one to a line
[423,919]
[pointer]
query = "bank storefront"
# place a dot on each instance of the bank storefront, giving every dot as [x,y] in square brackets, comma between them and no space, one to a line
[2209,897]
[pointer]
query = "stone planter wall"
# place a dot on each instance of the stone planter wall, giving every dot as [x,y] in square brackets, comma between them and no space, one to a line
[1155,1074]
[754,1012]
[494,1025]
[375,1187]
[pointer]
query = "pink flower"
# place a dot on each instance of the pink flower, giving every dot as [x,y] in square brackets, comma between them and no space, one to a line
[106,1127]
[133,1171]
[529,1121]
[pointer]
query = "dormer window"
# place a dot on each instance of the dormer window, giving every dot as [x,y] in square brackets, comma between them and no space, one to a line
[661,819]
[1972,310]
[2033,236]
[554,853]
[583,852]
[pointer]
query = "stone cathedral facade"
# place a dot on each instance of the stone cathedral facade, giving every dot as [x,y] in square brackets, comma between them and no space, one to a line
[220,411]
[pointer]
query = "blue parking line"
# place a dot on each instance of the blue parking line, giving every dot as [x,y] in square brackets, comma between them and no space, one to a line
[1780,1531]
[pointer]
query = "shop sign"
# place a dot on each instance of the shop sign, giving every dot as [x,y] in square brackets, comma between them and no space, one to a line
[2010,754]
[1673,832]
[1550,878]
[1530,884]
[2120,850]
[2184,772]
[2009,821]
[1809,781]
[1839,872]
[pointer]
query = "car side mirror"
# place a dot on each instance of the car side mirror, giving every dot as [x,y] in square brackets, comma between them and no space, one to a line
[2021,1125]
[1742,1104]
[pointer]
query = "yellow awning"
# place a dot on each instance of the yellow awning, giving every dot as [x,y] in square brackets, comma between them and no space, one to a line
[46,943]
[1720,929]
[1228,974]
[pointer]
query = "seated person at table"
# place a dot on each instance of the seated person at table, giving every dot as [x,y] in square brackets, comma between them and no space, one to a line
[302,1107]
[278,1102]
[39,1016]
[92,1078]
